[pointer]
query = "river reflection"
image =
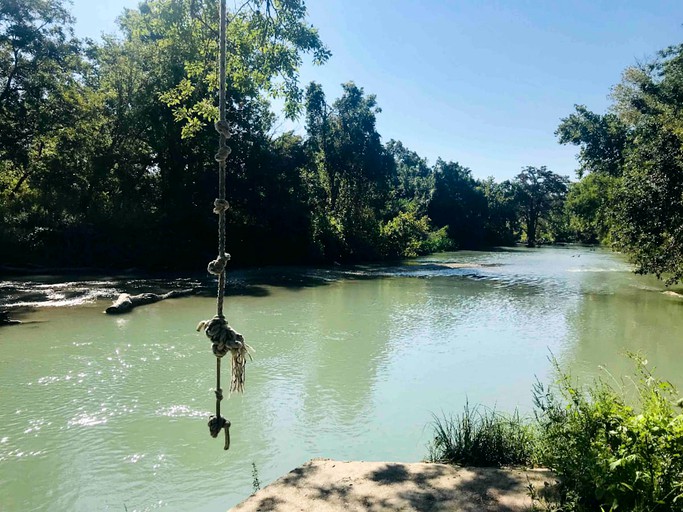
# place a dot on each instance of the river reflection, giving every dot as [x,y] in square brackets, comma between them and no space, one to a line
[109,413]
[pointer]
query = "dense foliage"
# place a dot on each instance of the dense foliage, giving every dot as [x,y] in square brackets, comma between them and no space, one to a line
[631,161]
[611,446]
[106,149]
[106,153]
[612,450]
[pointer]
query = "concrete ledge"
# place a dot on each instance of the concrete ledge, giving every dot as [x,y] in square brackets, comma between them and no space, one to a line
[328,485]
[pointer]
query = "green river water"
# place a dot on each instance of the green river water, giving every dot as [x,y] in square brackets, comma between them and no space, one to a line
[109,413]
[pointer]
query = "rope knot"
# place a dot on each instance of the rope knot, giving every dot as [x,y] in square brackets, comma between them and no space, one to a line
[218,423]
[223,154]
[217,266]
[223,337]
[220,206]
[223,128]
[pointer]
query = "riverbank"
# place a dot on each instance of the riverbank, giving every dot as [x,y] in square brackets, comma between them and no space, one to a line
[330,485]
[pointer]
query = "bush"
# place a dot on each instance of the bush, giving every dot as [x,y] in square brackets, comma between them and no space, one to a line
[609,455]
[406,235]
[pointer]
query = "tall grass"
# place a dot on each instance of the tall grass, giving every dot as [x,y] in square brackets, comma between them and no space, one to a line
[483,437]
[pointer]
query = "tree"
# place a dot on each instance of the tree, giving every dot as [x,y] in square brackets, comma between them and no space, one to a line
[353,168]
[538,191]
[161,84]
[40,62]
[634,192]
[589,206]
[458,203]
[265,43]
[413,184]
[648,219]
[502,218]
[51,137]
[602,140]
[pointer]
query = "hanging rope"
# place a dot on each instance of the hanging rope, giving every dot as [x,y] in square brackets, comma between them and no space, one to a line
[224,338]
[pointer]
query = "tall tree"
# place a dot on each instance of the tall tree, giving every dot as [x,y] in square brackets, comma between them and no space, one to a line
[40,65]
[353,165]
[51,136]
[413,183]
[589,205]
[502,221]
[649,213]
[166,63]
[538,191]
[458,203]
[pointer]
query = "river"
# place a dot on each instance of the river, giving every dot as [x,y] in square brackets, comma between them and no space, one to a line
[109,413]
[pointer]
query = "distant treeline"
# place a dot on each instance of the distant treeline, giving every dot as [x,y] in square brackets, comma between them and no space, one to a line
[106,152]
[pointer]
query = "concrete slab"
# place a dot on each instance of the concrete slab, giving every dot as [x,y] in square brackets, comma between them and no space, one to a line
[328,485]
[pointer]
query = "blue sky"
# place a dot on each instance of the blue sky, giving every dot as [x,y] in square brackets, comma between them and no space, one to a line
[481,83]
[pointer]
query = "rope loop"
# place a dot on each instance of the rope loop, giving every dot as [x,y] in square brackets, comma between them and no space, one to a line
[217,266]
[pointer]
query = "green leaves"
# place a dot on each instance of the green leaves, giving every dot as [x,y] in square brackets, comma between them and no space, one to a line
[407,236]
[637,150]
[353,169]
[457,202]
[589,205]
[265,44]
[609,454]
[602,140]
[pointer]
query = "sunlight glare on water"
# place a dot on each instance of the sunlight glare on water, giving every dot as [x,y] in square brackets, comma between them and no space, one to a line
[109,413]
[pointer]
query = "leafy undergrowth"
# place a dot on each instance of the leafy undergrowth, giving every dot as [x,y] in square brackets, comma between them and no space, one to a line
[613,446]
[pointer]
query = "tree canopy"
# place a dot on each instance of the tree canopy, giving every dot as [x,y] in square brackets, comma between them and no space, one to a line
[106,153]
[636,148]
[539,191]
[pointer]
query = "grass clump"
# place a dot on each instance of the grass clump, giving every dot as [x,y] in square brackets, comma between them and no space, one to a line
[483,437]
[613,445]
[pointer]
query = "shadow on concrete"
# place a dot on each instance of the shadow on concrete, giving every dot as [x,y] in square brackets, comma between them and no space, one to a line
[330,485]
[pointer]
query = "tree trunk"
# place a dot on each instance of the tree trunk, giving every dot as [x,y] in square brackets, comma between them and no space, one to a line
[126,302]
[531,227]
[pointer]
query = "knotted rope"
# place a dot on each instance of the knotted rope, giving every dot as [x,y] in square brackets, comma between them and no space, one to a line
[224,338]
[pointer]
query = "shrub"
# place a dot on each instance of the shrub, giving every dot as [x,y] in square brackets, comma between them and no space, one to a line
[408,235]
[612,446]
[609,455]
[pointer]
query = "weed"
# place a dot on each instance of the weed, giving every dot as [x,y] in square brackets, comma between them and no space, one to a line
[255,482]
